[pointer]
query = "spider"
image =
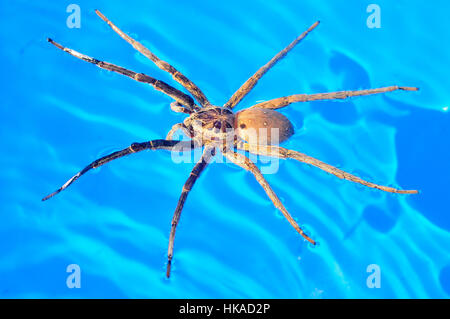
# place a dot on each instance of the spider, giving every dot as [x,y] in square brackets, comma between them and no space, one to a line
[214,127]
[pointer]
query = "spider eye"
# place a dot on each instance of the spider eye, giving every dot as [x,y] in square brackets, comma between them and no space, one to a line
[226,111]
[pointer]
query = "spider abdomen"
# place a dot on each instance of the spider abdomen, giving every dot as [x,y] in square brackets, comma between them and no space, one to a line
[262,126]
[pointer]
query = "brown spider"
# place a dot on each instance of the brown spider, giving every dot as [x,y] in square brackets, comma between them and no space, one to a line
[213,127]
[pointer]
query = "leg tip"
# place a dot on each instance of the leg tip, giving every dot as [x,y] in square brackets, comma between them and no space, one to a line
[169,264]
[407,88]
[100,15]
[52,42]
[59,46]
[315,24]
[409,191]
[50,195]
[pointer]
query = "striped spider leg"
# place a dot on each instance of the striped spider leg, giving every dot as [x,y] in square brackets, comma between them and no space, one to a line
[284,153]
[208,153]
[286,100]
[159,85]
[177,75]
[244,162]
[251,82]
[133,148]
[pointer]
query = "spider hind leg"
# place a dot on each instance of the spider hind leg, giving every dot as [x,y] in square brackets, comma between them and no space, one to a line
[244,162]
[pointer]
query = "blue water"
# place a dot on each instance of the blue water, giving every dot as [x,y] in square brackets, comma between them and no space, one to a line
[58,114]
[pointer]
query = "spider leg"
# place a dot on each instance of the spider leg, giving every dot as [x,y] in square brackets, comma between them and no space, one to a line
[133,148]
[177,75]
[176,127]
[195,173]
[276,151]
[247,164]
[286,100]
[180,108]
[251,82]
[174,93]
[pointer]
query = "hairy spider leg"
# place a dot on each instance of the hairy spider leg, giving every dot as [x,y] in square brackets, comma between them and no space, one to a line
[159,85]
[251,82]
[280,152]
[133,148]
[176,127]
[180,108]
[286,100]
[247,164]
[193,176]
[177,75]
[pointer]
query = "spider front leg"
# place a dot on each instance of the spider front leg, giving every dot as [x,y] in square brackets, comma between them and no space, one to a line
[194,175]
[133,148]
[251,82]
[280,152]
[180,108]
[177,75]
[247,164]
[286,100]
[174,93]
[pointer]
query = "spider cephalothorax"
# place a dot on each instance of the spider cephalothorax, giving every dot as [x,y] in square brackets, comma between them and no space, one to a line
[214,123]
[256,129]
